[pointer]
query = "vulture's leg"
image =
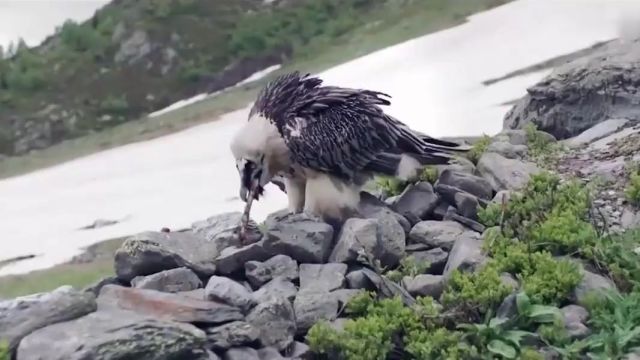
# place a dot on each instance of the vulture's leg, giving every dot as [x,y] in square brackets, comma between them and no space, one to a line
[296,189]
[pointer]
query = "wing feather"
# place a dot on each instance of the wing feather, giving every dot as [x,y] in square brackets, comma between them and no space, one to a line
[338,130]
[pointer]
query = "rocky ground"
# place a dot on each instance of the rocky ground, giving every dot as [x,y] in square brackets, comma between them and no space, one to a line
[199,294]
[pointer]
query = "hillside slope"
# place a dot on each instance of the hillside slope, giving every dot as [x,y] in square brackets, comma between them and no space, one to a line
[134,57]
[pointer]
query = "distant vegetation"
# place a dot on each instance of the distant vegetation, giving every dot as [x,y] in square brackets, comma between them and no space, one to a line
[132,58]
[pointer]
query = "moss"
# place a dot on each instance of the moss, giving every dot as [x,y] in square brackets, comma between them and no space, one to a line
[479,148]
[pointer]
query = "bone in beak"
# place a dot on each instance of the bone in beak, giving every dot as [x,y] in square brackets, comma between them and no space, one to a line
[244,220]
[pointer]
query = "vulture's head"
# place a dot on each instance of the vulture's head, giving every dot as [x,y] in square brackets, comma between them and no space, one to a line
[259,141]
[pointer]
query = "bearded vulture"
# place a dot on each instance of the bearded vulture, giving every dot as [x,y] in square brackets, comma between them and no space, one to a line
[325,143]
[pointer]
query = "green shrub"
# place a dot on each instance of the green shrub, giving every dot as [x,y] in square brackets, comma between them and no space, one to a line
[479,148]
[385,326]
[615,320]
[82,38]
[545,279]
[618,256]
[633,189]
[541,147]
[476,292]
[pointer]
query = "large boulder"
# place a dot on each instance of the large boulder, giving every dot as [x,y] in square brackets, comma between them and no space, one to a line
[106,335]
[23,315]
[151,252]
[225,290]
[440,234]
[505,174]
[416,202]
[259,273]
[304,238]
[275,321]
[577,95]
[383,238]
[222,230]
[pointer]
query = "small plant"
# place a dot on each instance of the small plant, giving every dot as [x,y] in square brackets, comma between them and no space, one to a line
[479,148]
[114,105]
[495,337]
[429,174]
[390,186]
[409,266]
[542,147]
[617,255]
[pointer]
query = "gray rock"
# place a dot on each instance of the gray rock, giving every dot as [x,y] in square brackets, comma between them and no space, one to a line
[312,307]
[472,184]
[227,291]
[372,208]
[276,321]
[436,258]
[467,205]
[165,306]
[465,255]
[98,285]
[416,202]
[630,219]
[513,137]
[278,287]
[577,331]
[597,132]
[174,280]
[574,313]
[232,259]
[322,277]
[461,165]
[502,195]
[508,309]
[106,335]
[241,353]
[442,234]
[344,295]
[581,93]
[452,215]
[222,230]
[510,281]
[151,252]
[23,315]
[424,285]
[134,48]
[237,333]
[507,150]
[259,273]
[505,174]
[270,353]
[382,238]
[301,351]
[592,283]
[358,280]
[301,237]
[198,294]
[391,201]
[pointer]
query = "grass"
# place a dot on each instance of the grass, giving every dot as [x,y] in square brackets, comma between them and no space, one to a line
[78,275]
[387,27]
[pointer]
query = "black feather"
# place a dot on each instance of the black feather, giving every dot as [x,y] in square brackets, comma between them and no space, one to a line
[343,131]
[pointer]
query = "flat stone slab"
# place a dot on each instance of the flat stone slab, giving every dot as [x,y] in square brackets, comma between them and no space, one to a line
[597,132]
[166,306]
